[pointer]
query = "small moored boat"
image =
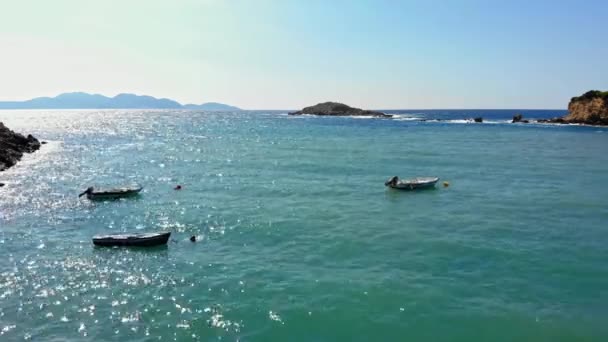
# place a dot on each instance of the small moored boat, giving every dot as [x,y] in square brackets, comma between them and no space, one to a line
[111,193]
[135,240]
[418,183]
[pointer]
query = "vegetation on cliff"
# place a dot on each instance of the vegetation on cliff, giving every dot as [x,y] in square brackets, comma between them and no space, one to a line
[590,95]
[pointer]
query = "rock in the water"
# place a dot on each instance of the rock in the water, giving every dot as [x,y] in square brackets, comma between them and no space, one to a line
[553,120]
[338,109]
[517,118]
[591,108]
[479,119]
[1,185]
[13,145]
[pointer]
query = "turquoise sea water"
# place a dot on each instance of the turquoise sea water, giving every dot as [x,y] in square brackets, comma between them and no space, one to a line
[298,238]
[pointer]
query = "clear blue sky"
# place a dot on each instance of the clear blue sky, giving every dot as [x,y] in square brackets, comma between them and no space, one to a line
[291,53]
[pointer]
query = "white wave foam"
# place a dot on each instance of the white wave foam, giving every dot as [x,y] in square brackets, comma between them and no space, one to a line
[458,121]
[361,116]
[301,116]
[134,317]
[471,121]
[407,118]
[7,329]
[275,317]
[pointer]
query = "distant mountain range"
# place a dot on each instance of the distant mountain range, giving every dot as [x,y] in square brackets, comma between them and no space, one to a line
[81,100]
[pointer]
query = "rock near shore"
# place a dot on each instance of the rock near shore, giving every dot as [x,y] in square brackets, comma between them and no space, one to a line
[13,145]
[338,109]
[591,108]
[519,118]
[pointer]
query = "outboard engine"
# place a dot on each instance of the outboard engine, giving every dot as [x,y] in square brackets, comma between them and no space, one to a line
[87,191]
[393,180]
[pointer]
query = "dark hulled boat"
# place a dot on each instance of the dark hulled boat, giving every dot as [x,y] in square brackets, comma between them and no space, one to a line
[134,240]
[110,194]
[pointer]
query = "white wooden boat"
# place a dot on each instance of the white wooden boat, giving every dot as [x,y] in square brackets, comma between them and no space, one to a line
[134,240]
[417,183]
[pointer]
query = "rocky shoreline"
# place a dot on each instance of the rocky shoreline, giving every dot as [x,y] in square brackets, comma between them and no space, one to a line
[13,145]
[591,108]
[338,109]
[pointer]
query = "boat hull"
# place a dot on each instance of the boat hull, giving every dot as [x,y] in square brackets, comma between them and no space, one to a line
[415,184]
[112,195]
[132,240]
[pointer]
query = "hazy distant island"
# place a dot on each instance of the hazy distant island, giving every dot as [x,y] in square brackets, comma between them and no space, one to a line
[80,100]
[13,145]
[212,106]
[338,109]
[591,108]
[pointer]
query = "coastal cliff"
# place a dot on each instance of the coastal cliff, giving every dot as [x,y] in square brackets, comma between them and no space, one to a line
[13,145]
[338,109]
[591,108]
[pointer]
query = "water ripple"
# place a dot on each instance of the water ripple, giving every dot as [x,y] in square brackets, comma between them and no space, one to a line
[297,236]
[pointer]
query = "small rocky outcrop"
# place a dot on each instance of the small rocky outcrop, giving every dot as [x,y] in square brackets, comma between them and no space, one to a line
[338,109]
[13,145]
[519,118]
[553,121]
[478,119]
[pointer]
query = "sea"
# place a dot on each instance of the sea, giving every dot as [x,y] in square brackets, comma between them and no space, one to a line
[298,239]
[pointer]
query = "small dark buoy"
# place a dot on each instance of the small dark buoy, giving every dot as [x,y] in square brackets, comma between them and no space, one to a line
[179,187]
[193,238]
[43,142]
[446,184]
